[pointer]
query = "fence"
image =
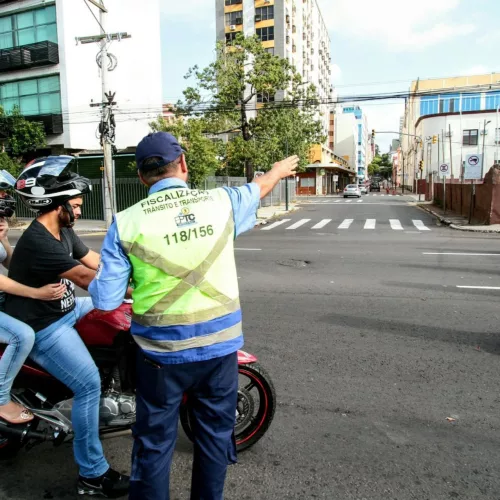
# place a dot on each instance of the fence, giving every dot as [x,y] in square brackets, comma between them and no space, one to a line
[130,191]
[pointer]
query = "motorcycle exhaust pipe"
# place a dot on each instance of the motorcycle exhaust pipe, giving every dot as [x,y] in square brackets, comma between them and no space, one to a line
[24,433]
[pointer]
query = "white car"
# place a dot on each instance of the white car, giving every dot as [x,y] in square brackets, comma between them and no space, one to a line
[363,189]
[352,190]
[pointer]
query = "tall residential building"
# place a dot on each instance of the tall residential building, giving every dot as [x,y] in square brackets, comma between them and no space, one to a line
[461,113]
[53,80]
[352,138]
[292,29]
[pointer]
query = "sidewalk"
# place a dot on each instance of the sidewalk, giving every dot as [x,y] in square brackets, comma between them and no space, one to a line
[84,226]
[458,222]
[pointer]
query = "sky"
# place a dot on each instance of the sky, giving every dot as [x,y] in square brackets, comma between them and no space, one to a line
[377,46]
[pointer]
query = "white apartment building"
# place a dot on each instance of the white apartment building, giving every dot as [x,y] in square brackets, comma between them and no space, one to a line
[292,29]
[352,138]
[54,80]
[461,113]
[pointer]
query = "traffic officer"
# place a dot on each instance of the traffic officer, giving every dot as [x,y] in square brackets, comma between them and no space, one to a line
[177,246]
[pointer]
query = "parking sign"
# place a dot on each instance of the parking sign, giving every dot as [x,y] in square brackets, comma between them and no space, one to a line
[444,169]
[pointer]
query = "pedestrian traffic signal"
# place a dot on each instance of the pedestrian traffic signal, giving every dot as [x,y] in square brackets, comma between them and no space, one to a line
[434,139]
[421,164]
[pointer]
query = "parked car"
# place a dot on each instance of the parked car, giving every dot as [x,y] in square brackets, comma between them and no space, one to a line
[352,190]
[375,186]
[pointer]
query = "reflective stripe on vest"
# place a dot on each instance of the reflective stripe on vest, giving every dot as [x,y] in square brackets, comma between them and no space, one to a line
[230,333]
[187,286]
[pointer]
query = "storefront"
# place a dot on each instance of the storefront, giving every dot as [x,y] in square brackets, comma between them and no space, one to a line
[321,180]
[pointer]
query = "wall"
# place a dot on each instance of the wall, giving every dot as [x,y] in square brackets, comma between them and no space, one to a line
[137,79]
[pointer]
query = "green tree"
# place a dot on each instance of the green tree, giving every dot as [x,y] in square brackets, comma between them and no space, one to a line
[201,152]
[223,93]
[381,165]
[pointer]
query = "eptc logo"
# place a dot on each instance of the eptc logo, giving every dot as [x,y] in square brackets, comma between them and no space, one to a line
[185,218]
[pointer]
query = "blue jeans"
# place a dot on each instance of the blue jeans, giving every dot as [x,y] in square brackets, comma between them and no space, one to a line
[20,339]
[60,350]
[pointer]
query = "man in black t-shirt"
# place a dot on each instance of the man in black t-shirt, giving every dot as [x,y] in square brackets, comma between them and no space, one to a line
[50,252]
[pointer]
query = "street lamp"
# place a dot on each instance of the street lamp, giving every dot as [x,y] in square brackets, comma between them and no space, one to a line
[484,137]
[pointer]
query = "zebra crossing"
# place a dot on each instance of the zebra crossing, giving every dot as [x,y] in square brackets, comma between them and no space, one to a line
[367,224]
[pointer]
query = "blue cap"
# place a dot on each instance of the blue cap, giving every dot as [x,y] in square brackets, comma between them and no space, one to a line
[158,144]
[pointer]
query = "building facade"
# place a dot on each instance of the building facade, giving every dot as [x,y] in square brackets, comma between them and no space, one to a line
[53,80]
[447,119]
[292,29]
[352,138]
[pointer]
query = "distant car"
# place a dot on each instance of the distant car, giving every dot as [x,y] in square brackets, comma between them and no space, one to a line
[363,189]
[375,186]
[352,190]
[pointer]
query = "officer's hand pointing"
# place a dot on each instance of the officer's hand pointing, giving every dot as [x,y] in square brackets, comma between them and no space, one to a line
[286,167]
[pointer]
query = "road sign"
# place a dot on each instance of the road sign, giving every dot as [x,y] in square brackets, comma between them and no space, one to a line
[444,169]
[473,166]
[335,178]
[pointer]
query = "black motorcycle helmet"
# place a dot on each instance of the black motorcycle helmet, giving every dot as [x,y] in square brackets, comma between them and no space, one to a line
[7,202]
[48,183]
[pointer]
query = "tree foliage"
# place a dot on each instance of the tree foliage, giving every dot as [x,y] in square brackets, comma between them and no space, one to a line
[201,152]
[380,166]
[224,94]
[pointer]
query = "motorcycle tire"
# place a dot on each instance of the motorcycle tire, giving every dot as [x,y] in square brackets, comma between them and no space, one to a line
[258,424]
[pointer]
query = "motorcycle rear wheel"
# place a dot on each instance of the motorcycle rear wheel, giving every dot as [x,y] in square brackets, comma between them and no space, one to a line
[255,408]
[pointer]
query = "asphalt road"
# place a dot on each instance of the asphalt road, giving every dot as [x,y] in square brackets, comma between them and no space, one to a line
[372,344]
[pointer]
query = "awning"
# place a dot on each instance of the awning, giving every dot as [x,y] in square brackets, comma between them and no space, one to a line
[331,166]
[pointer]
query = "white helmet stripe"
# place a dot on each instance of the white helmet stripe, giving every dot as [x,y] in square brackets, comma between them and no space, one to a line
[71,192]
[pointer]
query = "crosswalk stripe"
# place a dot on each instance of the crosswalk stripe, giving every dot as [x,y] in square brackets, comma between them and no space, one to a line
[346,224]
[382,195]
[420,225]
[395,224]
[321,224]
[301,222]
[348,201]
[374,195]
[360,201]
[338,201]
[276,224]
[370,223]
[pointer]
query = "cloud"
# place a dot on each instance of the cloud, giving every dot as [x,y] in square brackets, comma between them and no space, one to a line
[191,9]
[399,28]
[336,73]
[479,69]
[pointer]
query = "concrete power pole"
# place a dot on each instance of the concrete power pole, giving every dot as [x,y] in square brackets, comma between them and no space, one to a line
[107,125]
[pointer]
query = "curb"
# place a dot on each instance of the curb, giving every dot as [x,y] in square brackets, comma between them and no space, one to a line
[263,222]
[456,226]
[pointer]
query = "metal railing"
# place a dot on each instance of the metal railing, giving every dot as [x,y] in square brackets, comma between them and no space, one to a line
[29,55]
[130,191]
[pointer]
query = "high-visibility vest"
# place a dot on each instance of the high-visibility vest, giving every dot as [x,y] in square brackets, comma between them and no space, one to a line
[186,300]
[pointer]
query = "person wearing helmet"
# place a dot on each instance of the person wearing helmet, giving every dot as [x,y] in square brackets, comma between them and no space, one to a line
[18,336]
[50,252]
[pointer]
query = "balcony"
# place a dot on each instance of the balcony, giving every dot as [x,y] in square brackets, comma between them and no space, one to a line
[29,56]
[52,123]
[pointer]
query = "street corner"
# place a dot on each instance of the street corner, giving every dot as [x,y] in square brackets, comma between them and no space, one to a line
[269,214]
[494,228]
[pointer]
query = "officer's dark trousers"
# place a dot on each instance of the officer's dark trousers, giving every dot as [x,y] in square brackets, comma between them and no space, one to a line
[212,387]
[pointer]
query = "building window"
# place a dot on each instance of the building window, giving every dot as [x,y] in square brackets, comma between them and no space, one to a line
[307,182]
[470,137]
[264,13]
[234,18]
[428,105]
[471,102]
[265,97]
[39,96]
[230,37]
[493,100]
[266,34]
[234,2]
[37,25]
[449,104]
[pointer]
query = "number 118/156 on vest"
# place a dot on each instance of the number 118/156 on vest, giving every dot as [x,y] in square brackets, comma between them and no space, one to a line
[189,234]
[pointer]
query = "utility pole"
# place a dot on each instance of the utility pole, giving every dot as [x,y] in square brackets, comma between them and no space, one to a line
[107,125]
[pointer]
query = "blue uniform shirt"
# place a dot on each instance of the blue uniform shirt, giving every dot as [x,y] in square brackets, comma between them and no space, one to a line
[110,284]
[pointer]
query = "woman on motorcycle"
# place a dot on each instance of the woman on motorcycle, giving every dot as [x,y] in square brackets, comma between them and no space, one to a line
[18,336]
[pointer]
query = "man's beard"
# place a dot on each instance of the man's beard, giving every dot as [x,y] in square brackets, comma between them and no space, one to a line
[65,219]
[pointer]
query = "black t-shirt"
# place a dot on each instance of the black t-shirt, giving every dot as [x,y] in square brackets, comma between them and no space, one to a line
[38,260]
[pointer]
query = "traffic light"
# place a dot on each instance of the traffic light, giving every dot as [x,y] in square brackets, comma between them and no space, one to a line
[373,133]
[421,164]
[434,139]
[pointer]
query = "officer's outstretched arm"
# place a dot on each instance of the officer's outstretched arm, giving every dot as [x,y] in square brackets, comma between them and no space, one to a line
[280,170]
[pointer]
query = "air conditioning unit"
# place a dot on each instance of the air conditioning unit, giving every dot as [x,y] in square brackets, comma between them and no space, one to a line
[232,27]
[258,18]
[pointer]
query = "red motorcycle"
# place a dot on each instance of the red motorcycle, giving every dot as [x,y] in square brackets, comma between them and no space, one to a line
[110,343]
